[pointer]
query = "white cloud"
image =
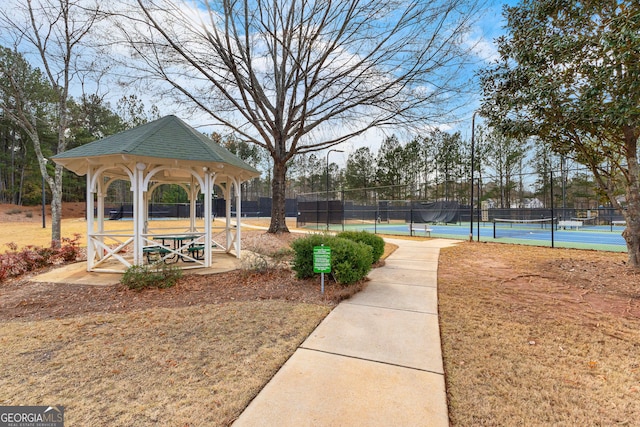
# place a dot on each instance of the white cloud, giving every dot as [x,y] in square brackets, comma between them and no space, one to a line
[483,47]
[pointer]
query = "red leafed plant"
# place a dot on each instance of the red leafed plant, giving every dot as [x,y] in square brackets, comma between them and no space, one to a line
[16,262]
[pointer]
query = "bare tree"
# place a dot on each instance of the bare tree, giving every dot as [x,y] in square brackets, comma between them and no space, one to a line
[51,33]
[301,76]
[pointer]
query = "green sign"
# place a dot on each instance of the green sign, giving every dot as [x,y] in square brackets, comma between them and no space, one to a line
[321,259]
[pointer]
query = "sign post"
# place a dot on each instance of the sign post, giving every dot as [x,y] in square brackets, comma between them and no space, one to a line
[322,262]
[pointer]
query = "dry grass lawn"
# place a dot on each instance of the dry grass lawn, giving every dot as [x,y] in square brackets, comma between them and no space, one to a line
[189,366]
[531,336]
[191,355]
[538,336]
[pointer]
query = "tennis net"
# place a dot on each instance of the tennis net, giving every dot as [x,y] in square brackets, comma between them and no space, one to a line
[521,227]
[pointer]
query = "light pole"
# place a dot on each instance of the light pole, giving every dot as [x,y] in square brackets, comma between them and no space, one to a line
[44,198]
[329,152]
[473,128]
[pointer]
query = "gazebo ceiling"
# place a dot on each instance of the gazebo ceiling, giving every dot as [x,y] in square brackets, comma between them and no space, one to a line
[167,142]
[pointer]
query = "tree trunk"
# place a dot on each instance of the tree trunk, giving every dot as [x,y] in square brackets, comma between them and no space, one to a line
[631,214]
[278,210]
[631,234]
[55,185]
[12,183]
[56,207]
[21,188]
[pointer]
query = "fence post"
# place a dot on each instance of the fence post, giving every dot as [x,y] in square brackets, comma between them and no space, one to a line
[375,220]
[478,213]
[611,219]
[552,204]
[342,201]
[410,219]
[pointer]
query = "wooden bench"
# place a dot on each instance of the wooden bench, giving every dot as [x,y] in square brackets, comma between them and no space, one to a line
[420,228]
[570,224]
[619,223]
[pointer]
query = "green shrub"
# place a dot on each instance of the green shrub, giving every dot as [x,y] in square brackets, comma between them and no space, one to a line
[140,277]
[350,261]
[375,242]
[303,253]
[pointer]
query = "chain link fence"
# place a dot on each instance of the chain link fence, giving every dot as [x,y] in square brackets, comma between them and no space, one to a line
[587,228]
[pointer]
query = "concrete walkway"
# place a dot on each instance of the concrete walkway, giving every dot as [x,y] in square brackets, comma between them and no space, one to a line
[375,360]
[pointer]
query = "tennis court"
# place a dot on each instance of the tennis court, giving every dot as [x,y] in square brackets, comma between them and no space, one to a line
[596,237]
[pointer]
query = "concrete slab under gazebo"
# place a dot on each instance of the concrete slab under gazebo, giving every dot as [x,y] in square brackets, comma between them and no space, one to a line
[165,151]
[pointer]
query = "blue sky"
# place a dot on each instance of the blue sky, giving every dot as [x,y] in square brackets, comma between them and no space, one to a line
[487,28]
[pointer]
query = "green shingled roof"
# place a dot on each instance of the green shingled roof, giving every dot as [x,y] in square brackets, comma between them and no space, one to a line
[165,138]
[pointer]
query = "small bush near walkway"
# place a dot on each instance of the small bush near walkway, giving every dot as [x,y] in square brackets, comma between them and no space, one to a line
[375,242]
[350,261]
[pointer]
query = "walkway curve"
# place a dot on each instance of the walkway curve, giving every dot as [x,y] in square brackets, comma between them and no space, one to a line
[375,360]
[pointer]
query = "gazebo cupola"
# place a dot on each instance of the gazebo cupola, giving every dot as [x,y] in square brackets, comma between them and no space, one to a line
[165,151]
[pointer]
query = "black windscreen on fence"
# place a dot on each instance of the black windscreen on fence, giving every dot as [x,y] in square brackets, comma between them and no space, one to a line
[598,228]
[442,211]
[155,210]
[250,208]
[320,212]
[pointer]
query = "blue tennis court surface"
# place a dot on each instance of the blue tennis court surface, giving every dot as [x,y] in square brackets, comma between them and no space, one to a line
[605,238]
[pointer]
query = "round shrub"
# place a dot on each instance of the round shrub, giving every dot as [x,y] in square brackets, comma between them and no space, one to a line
[350,261]
[303,249]
[375,242]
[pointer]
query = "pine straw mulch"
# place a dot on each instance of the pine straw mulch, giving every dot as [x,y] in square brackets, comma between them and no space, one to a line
[26,300]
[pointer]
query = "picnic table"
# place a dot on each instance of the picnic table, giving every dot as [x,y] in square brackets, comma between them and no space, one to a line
[182,247]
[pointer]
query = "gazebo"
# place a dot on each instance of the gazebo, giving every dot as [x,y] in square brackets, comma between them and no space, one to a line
[165,151]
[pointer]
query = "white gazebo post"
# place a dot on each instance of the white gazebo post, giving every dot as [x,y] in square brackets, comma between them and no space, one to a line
[138,212]
[207,192]
[90,195]
[227,213]
[238,193]
[100,207]
[193,198]
[100,211]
